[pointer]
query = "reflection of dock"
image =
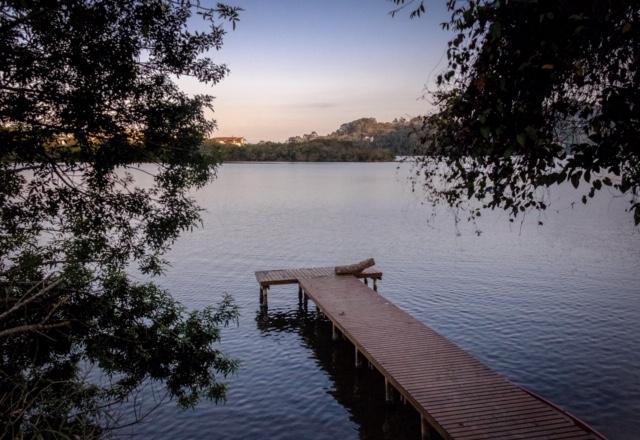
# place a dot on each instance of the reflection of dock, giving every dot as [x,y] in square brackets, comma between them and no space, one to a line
[360,391]
[455,394]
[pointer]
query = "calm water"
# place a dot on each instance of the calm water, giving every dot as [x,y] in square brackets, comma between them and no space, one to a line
[554,308]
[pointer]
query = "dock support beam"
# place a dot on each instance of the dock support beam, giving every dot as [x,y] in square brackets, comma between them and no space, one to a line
[263,296]
[299,293]
[334,332]
[358,361]
[388,391]
[425,431]
[375,285]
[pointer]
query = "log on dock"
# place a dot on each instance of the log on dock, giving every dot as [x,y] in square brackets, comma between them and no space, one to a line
[355,269]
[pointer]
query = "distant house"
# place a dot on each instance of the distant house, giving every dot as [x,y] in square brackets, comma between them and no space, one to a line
[237,141]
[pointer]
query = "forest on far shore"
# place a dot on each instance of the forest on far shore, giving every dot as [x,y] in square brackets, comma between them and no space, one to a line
[316,150]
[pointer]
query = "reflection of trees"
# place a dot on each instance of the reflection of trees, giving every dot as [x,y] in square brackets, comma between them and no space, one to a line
[360,391]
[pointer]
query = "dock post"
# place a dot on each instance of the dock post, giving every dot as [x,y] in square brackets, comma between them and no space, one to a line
[334,332]
[375,285]
[358,362]
[264,296]
[388,391]
[366,281]
[425,432]
[299,293]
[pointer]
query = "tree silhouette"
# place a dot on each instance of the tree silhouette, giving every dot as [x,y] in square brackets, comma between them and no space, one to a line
[86,90]
[536,93]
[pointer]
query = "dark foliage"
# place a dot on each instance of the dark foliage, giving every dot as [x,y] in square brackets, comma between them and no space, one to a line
[536,93]
[85,89]
[317,150]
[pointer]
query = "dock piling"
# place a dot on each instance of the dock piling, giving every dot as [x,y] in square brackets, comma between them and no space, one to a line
[388,391]
[358,361]
[425,433]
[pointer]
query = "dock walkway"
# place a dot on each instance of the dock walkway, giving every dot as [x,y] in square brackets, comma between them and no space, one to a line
[455,394]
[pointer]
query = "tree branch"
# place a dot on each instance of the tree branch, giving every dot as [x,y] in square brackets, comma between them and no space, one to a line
[21,304]
[33,328]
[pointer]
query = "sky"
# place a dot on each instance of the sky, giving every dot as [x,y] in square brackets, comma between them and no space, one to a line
[299,66]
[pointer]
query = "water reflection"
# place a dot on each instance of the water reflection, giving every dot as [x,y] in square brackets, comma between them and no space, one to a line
[359,390]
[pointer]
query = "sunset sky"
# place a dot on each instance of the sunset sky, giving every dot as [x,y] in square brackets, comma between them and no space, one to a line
[299,66]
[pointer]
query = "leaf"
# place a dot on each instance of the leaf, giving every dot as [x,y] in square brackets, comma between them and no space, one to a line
[496,31]
[548,66]
[575,179]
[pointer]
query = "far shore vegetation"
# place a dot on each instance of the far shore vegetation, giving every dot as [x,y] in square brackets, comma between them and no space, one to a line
[317,150]
[361,140]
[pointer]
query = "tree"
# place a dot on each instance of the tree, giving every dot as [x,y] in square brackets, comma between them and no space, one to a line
[86,92]
[536,93]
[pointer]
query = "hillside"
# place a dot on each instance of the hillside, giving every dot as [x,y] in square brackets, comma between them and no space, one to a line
[399,136]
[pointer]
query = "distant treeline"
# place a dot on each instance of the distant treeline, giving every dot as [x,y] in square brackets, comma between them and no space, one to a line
[317,150]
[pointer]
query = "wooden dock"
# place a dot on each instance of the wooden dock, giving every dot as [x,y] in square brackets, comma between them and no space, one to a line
[454,393]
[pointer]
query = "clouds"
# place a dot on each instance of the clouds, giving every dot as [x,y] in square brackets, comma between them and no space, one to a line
[314,105]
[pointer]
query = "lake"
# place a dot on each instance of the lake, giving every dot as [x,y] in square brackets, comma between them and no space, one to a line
[555,308]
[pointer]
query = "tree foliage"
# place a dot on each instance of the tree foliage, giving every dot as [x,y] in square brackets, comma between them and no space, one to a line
[86,89]
[536,93]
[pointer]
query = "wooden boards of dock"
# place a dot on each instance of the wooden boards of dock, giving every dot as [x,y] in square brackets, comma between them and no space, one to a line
[454,393]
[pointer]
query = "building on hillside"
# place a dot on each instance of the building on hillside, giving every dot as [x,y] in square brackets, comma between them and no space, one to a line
[237,141]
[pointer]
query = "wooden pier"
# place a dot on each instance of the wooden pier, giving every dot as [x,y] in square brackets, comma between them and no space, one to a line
[454,393]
